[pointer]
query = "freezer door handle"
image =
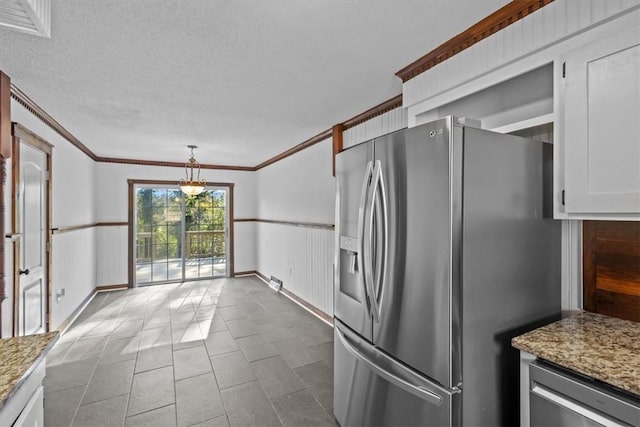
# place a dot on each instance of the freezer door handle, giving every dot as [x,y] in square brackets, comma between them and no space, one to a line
[401,379]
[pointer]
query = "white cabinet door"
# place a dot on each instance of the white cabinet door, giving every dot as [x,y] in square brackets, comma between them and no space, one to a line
[600,124]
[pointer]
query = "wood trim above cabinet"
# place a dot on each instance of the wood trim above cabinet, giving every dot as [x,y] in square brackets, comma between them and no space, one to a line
[383,107]
[498,20]
[611,268]
[338,132]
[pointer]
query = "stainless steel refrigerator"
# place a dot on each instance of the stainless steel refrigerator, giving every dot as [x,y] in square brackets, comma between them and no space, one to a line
[445,249]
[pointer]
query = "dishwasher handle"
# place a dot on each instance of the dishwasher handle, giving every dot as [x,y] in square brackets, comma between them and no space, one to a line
[569,404]
[582,395]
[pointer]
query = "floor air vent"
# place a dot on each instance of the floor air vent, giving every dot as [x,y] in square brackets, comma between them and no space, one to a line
[275,283]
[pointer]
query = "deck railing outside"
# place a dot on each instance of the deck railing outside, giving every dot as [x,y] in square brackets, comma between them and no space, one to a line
[198,244]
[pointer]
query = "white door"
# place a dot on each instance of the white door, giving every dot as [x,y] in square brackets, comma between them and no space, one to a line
[31,257]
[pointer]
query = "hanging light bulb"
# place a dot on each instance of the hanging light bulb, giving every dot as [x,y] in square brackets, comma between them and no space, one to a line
[191,186]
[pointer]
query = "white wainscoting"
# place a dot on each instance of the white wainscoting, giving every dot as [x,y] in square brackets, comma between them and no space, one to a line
[73,269]
[112,255]
[244,245]
[302,257]
[383,124]
[545,27]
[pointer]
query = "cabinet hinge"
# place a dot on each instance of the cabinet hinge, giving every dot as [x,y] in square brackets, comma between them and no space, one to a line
[47,177]
[562,197]
[564,70]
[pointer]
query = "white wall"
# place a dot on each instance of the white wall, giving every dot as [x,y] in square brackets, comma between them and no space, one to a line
[301,189]
[111,205]
[73,262]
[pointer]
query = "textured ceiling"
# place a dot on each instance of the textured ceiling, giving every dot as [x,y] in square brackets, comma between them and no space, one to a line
[243,80]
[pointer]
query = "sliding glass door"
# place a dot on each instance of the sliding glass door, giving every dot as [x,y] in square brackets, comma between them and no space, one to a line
[179,237]
[205,220]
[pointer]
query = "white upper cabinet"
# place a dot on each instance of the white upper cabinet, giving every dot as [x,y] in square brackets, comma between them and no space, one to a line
[599,128]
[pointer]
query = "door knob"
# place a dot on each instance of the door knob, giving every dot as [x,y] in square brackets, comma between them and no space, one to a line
[25,272]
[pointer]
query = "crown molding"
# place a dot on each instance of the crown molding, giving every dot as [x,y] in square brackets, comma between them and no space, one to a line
[384,107]
[293,150]
[500,19]
[40,113]
[140,162]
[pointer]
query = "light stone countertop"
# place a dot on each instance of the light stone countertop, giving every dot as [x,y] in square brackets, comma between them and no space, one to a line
[18,357]
[601,347]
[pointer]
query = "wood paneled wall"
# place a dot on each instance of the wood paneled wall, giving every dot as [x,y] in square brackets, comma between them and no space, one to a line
[382,124]
[611,263]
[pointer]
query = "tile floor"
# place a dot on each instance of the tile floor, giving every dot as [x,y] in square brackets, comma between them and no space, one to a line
[210,353]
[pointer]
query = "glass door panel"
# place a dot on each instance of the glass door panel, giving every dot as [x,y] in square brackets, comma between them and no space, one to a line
[205,223]
[174,234]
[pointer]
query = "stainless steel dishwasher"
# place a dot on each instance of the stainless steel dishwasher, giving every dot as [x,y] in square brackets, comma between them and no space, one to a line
[558,397]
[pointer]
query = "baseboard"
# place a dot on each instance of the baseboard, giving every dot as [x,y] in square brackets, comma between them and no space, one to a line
[107,288]
[307,306]
[263,277]
[245,273]
[72,318]
[301,302]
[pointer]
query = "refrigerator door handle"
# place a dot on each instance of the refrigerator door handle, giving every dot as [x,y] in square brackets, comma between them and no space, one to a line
[367,229]
[404,383]
[385,240]
[366,181]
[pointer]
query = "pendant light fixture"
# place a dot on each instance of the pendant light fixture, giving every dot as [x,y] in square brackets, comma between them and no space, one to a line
[191,186]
